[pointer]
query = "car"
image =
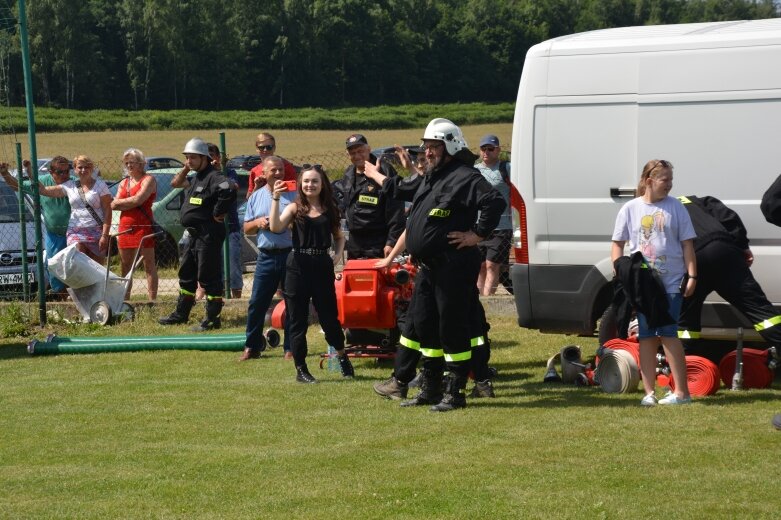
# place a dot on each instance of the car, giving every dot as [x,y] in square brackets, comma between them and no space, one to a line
[244,162]
[162,163]
[11,253]
[388,153]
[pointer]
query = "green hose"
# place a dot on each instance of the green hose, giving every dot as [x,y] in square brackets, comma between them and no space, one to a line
[61,345]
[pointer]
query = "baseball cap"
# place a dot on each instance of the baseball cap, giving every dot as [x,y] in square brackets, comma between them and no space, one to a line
[490,140]
[355,139]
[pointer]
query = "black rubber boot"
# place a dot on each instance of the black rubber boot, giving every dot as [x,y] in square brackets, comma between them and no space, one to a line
[348,372]
[182,312]
[454,394]
[212,321]
[430,389]
[303,375]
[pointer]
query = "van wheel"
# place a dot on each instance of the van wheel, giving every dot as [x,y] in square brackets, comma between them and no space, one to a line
[608,325]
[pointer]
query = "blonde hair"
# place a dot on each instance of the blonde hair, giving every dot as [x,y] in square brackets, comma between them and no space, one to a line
[83,159]
[264,136]
[652,169]
[136,154]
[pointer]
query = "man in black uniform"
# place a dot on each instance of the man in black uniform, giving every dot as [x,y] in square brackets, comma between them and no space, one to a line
[374,219]
[207,199]
[443,230]
[723,262]
[771,210]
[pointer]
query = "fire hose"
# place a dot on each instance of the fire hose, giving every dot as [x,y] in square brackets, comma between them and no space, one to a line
[617,371]
[702,376]
[63,345]
[756,373]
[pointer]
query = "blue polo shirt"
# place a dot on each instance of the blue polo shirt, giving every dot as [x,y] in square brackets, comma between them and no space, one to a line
[259,205]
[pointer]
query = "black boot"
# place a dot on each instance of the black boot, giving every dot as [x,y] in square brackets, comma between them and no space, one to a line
[303,375]
[212,321]
[430,389]
[182,312]
[454,394]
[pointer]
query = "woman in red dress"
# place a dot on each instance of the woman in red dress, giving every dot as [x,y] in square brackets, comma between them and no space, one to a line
[134,199]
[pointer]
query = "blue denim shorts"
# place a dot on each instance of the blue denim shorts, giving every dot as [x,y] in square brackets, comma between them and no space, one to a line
[668,331]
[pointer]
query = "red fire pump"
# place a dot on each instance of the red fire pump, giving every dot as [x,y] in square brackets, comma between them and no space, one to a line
[372,303]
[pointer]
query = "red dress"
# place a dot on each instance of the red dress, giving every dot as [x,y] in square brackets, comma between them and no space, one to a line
[138,218]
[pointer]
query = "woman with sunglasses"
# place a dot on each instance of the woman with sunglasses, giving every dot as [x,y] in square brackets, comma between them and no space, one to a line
[315,223]
[135,195]
[90,220]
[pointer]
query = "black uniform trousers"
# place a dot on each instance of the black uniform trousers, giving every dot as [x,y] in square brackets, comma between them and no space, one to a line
[442,316]
[201,262]
[365,245]
[311,277]
[721,267]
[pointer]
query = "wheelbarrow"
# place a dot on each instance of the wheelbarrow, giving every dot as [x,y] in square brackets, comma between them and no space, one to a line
[99,294]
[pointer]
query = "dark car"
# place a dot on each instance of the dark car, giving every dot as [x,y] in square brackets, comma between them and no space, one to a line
[244,162]
[162,163]
[11,253]
[388,153]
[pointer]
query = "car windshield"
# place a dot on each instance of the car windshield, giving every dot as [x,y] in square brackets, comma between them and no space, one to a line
[158,163]
[9,206]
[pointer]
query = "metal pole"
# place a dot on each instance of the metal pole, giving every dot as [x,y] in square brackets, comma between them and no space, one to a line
[737,378]
[226,248]
[22,222]
[28,94]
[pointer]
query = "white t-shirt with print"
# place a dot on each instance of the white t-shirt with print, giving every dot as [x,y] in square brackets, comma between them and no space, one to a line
[80,215]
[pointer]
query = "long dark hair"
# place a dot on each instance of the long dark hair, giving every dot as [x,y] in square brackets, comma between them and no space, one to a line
[326,199]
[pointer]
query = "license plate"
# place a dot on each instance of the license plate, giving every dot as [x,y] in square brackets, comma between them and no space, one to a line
[16,278]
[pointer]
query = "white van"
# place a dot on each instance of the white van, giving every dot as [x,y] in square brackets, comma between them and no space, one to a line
[594,107]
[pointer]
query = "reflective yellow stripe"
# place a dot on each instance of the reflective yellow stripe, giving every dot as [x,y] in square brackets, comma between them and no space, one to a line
[766,324]
[186,292]
[689,334]
[432,352]
[461,356]
[213,297]
[684,200]
[409,343]
[476,342]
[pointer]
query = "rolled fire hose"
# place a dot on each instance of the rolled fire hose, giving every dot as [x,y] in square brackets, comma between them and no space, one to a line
[63,345]
[631,346]
[617,372]
[756,373]
[572,368]
[702,376]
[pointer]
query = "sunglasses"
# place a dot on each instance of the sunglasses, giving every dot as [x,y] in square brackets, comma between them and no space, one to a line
[60,172]
[265,147]
[488,148]
[316,167]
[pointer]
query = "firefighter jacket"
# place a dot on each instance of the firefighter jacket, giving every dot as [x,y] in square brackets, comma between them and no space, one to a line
[450,199]
[771,203]
[368,210]
[208,196]
[637,286]
[712,220]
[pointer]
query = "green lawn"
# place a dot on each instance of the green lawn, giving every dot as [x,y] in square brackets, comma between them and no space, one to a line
[200,435]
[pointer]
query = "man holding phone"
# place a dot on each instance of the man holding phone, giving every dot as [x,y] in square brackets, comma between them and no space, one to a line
[273,249]
[375,220]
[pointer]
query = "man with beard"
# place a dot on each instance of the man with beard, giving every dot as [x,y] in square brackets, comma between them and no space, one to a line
[442,233]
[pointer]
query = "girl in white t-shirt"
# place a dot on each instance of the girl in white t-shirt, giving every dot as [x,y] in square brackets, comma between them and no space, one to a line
[90,201]
[660,228]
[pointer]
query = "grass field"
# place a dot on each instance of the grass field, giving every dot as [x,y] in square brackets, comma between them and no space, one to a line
[104,146]
[200,435]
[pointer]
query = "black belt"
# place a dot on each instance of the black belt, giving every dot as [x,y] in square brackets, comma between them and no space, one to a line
[275,250]
[311,251]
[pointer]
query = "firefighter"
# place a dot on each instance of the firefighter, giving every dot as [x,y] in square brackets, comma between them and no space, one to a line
[442,233]
[723,260]
[207,199]
[375,220]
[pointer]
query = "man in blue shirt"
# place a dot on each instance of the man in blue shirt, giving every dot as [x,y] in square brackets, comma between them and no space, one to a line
[273,249]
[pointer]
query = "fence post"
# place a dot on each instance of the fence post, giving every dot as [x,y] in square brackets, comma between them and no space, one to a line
[22,222]
[226,248]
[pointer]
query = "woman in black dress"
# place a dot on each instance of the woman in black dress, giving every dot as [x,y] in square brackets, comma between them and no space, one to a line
[315,222]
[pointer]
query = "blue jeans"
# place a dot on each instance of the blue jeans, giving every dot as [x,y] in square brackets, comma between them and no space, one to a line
[234,241]
[269,272]
[54,244]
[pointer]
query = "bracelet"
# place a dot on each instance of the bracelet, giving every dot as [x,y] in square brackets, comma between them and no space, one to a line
[691,277]
[274,198]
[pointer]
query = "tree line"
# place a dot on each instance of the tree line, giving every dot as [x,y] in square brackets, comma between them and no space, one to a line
[252,54]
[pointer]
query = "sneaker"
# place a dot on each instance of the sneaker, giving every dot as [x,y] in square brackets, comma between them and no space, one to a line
[671,398]
[483,389]
[346,366]
[303,375]
[391,388]
[649,400]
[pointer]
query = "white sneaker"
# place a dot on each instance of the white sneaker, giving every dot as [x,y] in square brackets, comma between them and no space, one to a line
[649,400]
[671,398]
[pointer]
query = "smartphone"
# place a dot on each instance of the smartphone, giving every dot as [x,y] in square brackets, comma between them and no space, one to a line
[291,185]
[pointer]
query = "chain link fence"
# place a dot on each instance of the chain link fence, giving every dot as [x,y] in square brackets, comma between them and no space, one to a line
[18,264]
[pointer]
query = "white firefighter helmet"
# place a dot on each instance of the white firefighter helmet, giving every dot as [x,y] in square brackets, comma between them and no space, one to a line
[196,145]
[444,130]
